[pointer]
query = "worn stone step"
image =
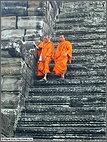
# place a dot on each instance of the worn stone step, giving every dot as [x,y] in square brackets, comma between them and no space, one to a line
[86,66]
[68,82]
[72,108]
[80,76]
[60,134]
[78,15]
[62,137]
[87,57]
[62,130]
[88,45]
[62,118]
[57,124]
[86,25]
[93,44]
[81,37]
[58,90]
[81,32]
[63,99]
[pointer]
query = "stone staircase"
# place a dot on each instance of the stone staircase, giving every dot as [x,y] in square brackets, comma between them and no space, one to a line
[73,109]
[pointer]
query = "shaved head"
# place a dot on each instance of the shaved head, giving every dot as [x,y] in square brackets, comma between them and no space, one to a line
[46,38]
[62,38]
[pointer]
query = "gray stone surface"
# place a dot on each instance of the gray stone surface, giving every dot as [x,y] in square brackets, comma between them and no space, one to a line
[8,23]
[16,34]
[72,109]
[30,22]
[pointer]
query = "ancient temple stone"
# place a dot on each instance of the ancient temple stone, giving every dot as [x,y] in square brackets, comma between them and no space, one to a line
[8,23]
[22,23]
[72,109]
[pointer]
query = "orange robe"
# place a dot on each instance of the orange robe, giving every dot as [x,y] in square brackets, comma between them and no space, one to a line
[61,61]
[47,49]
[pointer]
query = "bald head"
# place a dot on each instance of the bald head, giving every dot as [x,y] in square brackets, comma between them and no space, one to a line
[61,38]
[46,38]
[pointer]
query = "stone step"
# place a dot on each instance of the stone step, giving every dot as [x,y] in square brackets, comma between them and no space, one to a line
[85,45]
[68,82]
[77,27]
[79,15]
[80,77]
[40,106]
[62,118]
[60,90]
[64,124]
[85,25]
[62,137]
[62,130]
[83,37]
[81,57]
[93,44]
[87,52]
[83,66]
[64,99]
[80,32]
[70,108]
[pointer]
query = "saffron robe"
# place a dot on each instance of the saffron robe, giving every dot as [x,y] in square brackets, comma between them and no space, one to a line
[47,49]
[61,61]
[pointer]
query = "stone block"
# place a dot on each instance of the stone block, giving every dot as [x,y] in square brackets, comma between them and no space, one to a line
[32,11]
[33,3]
[16,34]
[8,119]
[11,83]
[14,11]
[33,35]
[10,71]
[10,101]
[11,48]
[13,3]
[11,62]
[30,22]
[8,23]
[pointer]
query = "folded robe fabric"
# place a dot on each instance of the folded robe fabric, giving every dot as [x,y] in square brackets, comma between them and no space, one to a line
[46,49]
[61,61]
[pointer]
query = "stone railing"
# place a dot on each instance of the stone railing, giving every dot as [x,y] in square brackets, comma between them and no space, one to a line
[21,23]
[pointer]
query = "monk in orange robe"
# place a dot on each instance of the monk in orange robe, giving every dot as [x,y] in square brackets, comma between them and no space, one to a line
[62,55]
[45,54]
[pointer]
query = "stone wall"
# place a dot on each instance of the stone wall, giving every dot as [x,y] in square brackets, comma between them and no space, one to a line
[21,23]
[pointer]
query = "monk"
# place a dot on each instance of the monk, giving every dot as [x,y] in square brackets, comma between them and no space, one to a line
[45,54]
[62,55]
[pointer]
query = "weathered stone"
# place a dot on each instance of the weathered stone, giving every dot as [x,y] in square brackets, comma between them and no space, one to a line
[33,3]
[14,3]
[17,75]
[14,11]
[10,83]
[32,11]
[8,119]
[30,22]
[16,34]
[8,23]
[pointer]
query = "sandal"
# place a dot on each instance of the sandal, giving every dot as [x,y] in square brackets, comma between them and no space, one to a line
[43,79]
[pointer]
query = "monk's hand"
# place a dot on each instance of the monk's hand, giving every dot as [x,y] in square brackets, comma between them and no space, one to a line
[55,60]
[44,59]
[65,55]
